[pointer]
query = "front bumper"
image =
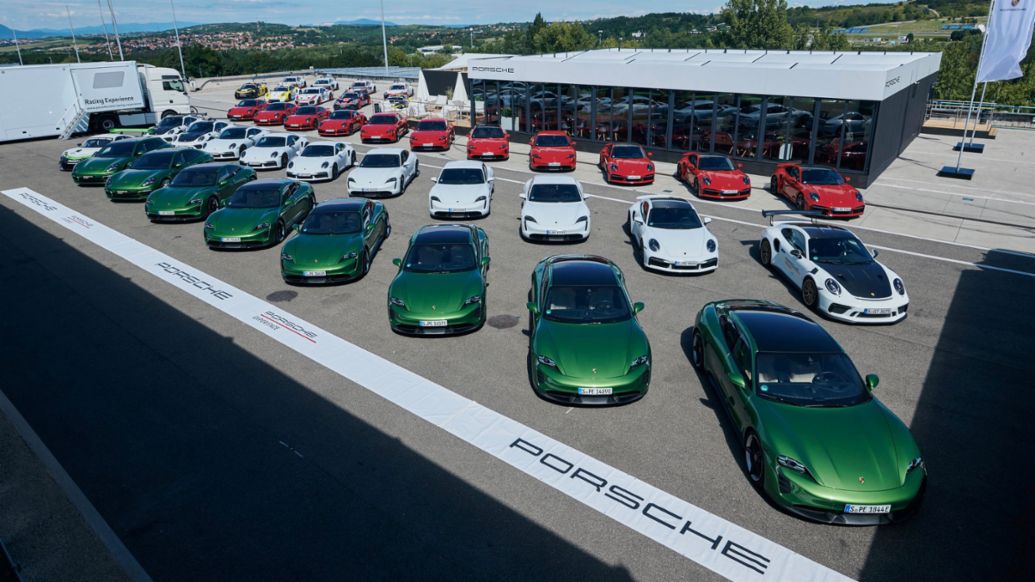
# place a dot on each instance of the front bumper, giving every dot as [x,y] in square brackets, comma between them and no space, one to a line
[322,174]
[240,117]
[552,385]
[269,122]
[227,155]
[847,308]
[374,191]
[379,138]
[503,154]
[632,180]
[334,131]
[429,145]
[68,164]
[299,126]
[533,231]
[840,211]
[551,165]
[251,240]
[91,179]
[726,194]
[129,194]
[467,319]
[441,211]
[183,214]
[341,272]
[270,164]
[682,265]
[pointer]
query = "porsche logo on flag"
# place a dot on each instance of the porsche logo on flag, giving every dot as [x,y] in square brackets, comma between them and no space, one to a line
[862,480]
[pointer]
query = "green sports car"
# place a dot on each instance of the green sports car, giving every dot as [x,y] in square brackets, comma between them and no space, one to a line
[259,214]
[586,345]
[440,287]
[152,171]
[336,243]
[113,158]
[196,192]
[816,441]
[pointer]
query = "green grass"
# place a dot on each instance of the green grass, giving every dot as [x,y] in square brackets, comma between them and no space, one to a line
[928,28]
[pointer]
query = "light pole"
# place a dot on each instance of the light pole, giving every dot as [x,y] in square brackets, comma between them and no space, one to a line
[384,36]
[72,30]
[179,47]
[104,25]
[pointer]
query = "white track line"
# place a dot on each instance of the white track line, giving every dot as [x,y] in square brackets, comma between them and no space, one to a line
[713,542]
[957,194]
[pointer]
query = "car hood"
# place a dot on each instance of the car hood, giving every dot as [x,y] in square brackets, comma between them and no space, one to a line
[269,114]
[99,165]
[310,164]
[548,214]
[134,178]
[436,292]
[301,118]
[192,136]
[237,221]
[79,153]
[172,197]
[553,154]
[679,244]
[602,350]
[833,195]
[633,166]
[869,281]
[217,144]
[334,122]
[373,176]
[840,445]
[459,195]
[724,180]
[322,249]
[378,129]
[428,135]
[256,153]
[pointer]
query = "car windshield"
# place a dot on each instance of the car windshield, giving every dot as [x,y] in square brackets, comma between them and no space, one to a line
[312,91]
[96,142]
[551,141]
[281,89]
[270,141]
[839,251]
[247,102]
[380,161]
[440,258]
[255,197]
[382,120]
[587,304]
[333,221]
[192,177]
[461,176]
[679,217]
[431,126]
[318,151]
[154,161]
[627,152]
[487,133]
[817,380]
[398,88]
[305,111]
[350,96]
[233,133]
[343,114]
[200,127]
[554,193]
[248,86]
[715,163]
[278,107]
[323,81]
[821,177]
[171,121]
[117,149]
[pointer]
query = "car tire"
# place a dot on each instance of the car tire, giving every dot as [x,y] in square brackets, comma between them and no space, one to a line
[774,186]
[697,350]
[283,161]
[365,261]
[334,172]
[416,170]
[695,186]
[800,202]
[809,293]
[765,253]
[281,232]
[352,163]
[754,460]
[211,205]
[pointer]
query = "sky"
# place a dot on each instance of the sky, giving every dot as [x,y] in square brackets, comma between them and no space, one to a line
[24,15]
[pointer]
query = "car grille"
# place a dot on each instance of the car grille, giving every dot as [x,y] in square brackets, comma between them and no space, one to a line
[689,268]
[720,193]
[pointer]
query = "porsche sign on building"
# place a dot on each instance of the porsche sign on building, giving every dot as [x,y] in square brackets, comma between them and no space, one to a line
[855,111]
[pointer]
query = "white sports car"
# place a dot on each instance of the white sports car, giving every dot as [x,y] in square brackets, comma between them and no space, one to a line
[86,148]
[399,90]
[671,236]
[232,141]
[463,188]
[553,208]
[313,96]
[383,171]
[170,127]
[836,273]
[329,83]
[273,151]
[198,133]
[322,160]
[295,81]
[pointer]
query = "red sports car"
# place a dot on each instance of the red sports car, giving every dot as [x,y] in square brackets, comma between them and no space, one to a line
[626,163]
[352,100]
[306,117]
[245,109]
[275,113]
[817,188]
[713,176]
[384,127]
[488,142]
[342,122]
[432,133]
[552,150]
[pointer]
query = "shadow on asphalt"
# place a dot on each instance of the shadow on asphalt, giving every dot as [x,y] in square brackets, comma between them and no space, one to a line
[211,464]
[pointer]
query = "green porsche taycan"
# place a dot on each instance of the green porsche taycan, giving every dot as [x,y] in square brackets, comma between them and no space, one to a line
[152,171]
[586,345]
[259,214]
[196,192]
[440,287]
[114,157]
[336,243]
[816,441]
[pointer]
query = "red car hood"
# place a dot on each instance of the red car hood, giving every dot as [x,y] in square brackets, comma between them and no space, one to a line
[369,129]
[240,111]
[264,115]
[301,119]
[553,154]
[636,166]
[724,180]
[488,144]
[334,123]
[429,135]
[834,195]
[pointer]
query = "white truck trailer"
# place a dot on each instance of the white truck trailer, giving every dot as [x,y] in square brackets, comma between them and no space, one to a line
[59,100]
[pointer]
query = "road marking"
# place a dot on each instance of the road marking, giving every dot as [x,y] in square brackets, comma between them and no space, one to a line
[958,194]
[709,540]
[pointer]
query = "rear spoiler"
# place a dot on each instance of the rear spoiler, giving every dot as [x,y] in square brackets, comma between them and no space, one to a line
[810,214]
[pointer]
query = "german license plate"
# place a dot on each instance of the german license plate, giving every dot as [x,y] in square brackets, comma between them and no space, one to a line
[877,311]
[873,509]
[595,391]
[305,175]
[314,273]
[634,177]
[685,263]
[487,155]
[553,233]
[166,213]
[432,323]
[554,164]
[231,239]
[729,191]
[842,209]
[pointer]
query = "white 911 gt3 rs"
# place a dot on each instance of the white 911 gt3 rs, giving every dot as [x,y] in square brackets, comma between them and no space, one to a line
[671,236]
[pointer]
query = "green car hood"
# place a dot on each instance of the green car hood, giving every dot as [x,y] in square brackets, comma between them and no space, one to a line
[178,196]
[840,445]
[237,221]
[446,291]
[322,249]
[603,350]
[96,165]
[135,178]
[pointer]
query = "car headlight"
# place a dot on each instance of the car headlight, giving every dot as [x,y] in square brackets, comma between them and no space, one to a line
[149,181]
[397,301]
[233,146]
[711,245]
[546,361]
[650,167]
[614,167]
[113,167]
[473,299]
[274,154]
[747,181]
[286,257]
[209,226]
[582,219]
[707,181]
[654,245]
[792,464]
[858,196]
[480,199]
[324,165]
[814,196]
[571,156]
[899,286]
[352,180]
[349,256]
[639,361]
[262,226]
[529,219]
[915,463]
[391,180]
[194,202]
[832,286]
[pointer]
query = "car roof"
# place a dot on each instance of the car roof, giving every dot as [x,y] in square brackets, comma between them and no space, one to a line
[342,204]
[384,113]
[778,329]
[826,231]
[443,233]
[553,179]
[434,119]
[462,164]
[552,132]
[278,134]
[208,165]
[581,270]
[279,182]
[670,203]
[388,151]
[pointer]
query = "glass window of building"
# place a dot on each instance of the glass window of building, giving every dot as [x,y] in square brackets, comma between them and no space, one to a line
[583,111]
[751,121]
[850,152]
[829,131]
[788,128]
[641,104]
[717,133]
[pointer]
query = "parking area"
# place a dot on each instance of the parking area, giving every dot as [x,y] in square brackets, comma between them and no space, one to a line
[214,452]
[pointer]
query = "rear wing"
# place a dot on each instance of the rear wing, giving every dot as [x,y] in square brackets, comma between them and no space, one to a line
[812,215]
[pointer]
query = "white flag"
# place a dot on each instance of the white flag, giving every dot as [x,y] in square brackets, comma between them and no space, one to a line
[1010,29]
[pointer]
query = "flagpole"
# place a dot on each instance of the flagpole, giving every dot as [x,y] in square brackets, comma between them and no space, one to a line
[72,30]
[973,94]
[981,103]
[16,47]
[104,25]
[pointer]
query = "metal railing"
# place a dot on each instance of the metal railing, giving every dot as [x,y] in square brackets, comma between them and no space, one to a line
[993,114]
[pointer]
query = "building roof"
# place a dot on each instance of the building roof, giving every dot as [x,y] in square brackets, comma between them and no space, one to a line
[872,76]
[460,63]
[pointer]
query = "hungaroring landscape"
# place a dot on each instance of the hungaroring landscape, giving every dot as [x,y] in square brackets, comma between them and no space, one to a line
[679,290]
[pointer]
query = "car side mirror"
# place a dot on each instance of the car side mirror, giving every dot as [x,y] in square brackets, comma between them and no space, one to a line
[638,220]
[650,154]
[572,143]
[738,380]
[740,166]
[434,179]
[79,145]
[638,307]
[796,253]
[397,262]
[848,179]
[296,227]
[531,142]
[523,196]
[485,261]
[532,307]
[874,252]
[871,381]
[707,220]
